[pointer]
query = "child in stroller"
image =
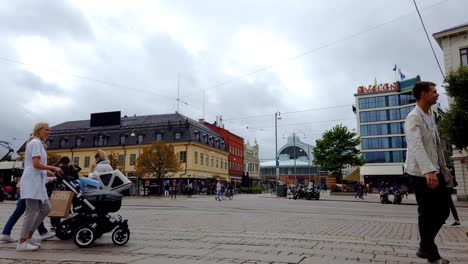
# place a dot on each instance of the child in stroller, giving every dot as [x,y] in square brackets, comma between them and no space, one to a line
[90,211]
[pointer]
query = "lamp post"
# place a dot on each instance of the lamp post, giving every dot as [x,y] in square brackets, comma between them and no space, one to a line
[139,146]
[277,117]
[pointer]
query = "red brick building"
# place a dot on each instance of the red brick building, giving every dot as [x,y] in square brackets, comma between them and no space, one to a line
[235,146]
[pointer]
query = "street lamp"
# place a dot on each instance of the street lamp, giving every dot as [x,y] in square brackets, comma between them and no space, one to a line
[139,146]
[277,117]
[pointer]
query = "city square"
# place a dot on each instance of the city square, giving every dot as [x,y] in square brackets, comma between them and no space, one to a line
[255,229]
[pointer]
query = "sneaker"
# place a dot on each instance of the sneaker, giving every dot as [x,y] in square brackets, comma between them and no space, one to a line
[34,242]
[456,223]
[26,247]
[420,254]
[7,238]
[47,235]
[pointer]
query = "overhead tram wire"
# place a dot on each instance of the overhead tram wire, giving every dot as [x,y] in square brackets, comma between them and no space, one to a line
[429,40]
[310,51]
[286,113]
[297,124]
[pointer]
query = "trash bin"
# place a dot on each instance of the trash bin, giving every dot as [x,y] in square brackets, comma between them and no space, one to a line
[282,190]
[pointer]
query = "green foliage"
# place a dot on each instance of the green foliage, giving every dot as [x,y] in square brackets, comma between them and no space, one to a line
[337,148]
[454,124]
[251,189]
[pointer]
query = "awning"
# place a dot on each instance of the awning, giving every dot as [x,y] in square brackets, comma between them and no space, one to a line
[354,176]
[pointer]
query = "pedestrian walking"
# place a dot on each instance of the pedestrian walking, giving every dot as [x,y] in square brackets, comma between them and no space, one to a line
[218,190]
[167,187]
[429,176]
[174,190]
[32,185]
[451,204]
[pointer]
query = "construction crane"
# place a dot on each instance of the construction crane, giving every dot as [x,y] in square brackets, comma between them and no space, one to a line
[8,146]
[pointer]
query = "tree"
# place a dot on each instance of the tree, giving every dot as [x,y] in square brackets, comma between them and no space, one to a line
[157,161]
[454,124]
[114,161]
[52,159]
[337,148]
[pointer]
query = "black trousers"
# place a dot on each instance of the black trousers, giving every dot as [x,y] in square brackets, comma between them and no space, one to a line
[433,210]
[452,206]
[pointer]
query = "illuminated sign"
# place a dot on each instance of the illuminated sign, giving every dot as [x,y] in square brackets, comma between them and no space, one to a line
[378,88]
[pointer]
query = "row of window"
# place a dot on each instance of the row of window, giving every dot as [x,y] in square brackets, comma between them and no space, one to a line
[383,143]
[235,166]
[205,160]
[312,170]
[102,140]
[235,151]
[384,101]
[251,167]
[385,156]
[382,129]
[385,115]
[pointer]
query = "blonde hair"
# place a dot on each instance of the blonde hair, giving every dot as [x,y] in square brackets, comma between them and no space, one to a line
[38,127]
[101,155]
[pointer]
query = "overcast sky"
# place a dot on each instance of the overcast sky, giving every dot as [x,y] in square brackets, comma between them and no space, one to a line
[62,60]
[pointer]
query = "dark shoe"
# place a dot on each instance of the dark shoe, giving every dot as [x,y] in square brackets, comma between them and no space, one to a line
[456,223]
[420,254]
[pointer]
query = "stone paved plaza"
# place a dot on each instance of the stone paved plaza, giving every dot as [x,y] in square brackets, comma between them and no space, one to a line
[254,229]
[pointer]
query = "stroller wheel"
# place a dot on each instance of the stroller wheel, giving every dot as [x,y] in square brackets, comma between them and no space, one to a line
[64,230]
[120,236]
[84,237]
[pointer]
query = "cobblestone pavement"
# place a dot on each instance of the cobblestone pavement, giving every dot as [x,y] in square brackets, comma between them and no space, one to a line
[253,229]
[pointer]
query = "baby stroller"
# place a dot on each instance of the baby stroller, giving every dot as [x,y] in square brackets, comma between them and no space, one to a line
[90,209]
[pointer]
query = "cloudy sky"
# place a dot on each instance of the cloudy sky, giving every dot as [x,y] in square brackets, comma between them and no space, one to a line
[62,60]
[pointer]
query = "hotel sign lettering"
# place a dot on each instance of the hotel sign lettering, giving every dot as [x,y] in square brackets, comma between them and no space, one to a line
[387,87]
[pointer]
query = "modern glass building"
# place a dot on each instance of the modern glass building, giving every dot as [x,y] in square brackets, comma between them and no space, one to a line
[381,110]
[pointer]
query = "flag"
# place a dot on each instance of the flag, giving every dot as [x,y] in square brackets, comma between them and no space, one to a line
[402,76]
[394,68]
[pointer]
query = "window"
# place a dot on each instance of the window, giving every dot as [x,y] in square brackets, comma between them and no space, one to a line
[405,111]
[385,156]
[158,136]
[375,143]
[76,160]
[86,161]
[396,128]
[464,57]
[122,160]
[78,141]
[372,102]
[177,135]
[225,164]
[394,114]
[393,100]
[212,162]
[398,142]
[63,141]
[197,135]
[217,162]
[140,139]
[196,157]
[201,158]
[183,156]
[100,140]
[207,160]
[406,99]
[373,116]
[123,139]
[132,159]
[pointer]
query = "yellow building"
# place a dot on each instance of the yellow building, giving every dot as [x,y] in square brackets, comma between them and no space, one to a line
[202,152]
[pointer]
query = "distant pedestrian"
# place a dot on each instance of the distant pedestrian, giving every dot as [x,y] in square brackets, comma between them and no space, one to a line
[173,190]
[218,190]
[167,187]
[425,163]
[452,205]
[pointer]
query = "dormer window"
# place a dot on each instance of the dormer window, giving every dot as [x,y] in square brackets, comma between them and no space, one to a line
[177,135]
[63,141]
[159,137]
[100,140]
[205,138]
[197,134]
[78,141]
[140,138]
[123,139]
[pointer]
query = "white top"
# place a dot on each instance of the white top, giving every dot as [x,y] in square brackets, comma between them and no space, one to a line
[429,119]
[33,181]
[218,187]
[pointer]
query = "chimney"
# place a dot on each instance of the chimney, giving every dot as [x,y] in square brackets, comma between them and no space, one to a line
[201,120]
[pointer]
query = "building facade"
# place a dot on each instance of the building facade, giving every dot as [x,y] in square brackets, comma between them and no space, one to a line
[454,44]
[252,163]
[295,165]
[235,147]
[381,110]
[202,152]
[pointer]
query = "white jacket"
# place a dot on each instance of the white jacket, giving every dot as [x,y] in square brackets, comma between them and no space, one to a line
[423,153]
[101,167]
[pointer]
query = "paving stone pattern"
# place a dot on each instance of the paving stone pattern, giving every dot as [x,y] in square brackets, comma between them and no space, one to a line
[254,229]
